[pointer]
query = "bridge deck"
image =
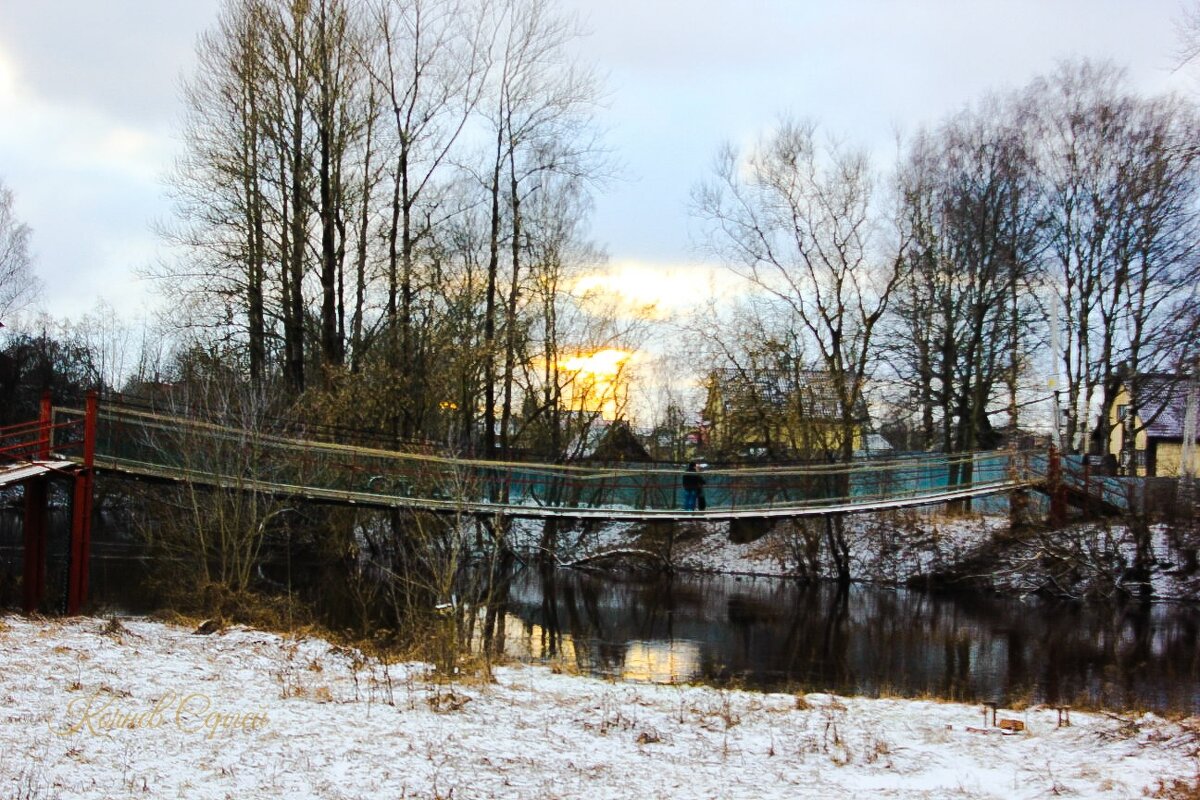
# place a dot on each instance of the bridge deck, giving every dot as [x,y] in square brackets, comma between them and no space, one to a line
[611,513]
[22,471]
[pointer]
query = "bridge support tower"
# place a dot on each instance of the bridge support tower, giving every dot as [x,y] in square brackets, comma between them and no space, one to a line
[36,522]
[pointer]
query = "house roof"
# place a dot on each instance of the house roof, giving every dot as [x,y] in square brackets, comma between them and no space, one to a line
[875,443]
[1162,405]
[618,443]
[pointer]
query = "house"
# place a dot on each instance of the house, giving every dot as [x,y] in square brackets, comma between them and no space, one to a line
[776,414]
[1147,436]
[619,443]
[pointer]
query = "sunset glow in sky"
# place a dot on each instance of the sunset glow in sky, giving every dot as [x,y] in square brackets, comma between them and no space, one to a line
[597,381]
[656,292]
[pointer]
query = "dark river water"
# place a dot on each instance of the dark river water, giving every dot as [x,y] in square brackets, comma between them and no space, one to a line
[775,634]
[779,635]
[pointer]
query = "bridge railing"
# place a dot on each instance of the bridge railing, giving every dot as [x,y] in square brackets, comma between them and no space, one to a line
[1075,474]
[175,448]
[41,439]
[1112,492]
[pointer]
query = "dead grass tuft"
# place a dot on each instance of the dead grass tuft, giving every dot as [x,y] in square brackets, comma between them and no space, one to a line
[1177,789]
[113,628]
[320,694]
[170,616]
[444,702]
[650,736]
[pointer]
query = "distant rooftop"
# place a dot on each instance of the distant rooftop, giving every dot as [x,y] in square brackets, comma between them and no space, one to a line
[1162,405]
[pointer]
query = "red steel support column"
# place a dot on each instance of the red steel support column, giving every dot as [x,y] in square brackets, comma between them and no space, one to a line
[45,429]
[81,515]
[34,575]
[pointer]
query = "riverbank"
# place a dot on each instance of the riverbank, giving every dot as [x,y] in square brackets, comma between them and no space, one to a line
[139,707]
[927,547]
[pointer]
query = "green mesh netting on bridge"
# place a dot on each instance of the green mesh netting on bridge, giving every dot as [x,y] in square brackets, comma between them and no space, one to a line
[165,447]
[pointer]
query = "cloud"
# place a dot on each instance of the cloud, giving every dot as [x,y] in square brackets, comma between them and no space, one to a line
[8,80]
[655,291]
[88,183]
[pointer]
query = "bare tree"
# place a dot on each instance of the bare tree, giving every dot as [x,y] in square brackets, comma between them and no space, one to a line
[538,112]
[19,287]
[1187,28]
[798,223]
[797,220]
[961,331]
[1120,185]
[214,535]
[428,68]
[222,186]
[389,186]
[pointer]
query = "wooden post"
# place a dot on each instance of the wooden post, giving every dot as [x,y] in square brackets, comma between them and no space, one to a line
[81,515]
[1058,492]
[34,575]
[1088,506]
[1187,461]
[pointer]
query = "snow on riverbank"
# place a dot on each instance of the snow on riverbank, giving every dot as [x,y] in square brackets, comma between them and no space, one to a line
[886,546]
[152,710]
[1085,559]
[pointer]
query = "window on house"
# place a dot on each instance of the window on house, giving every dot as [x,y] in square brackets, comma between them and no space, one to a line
[1122,411]
[1140,457]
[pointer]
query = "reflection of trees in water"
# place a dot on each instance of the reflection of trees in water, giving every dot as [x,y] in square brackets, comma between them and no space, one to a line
[774,633]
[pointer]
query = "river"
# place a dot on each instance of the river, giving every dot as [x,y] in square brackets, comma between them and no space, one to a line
[772,633]
[775,634]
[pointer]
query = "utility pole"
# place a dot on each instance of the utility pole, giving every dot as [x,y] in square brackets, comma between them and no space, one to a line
[1055,357]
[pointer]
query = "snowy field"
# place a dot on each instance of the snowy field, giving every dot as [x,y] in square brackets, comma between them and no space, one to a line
[146,709]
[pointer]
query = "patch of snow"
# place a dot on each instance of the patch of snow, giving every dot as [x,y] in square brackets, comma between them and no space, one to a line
[891,547]
[153,710]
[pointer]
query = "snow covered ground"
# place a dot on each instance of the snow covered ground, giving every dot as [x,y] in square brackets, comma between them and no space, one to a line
[146,709]
[889,547]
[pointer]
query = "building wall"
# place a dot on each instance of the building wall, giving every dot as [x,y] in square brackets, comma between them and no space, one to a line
[736,425]
[1170,457]
[1116,436]
[1167,455]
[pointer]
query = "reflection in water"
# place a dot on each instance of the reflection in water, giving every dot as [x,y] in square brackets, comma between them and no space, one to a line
[118,576]
[773,634]
[662,662]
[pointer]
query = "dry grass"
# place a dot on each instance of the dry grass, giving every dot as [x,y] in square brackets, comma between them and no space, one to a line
[445,702]
[1177,789]
[114,628]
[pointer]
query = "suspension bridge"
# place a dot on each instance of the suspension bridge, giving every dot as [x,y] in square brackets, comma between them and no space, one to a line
[76,444]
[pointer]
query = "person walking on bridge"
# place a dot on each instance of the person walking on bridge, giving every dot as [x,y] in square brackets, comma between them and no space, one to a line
[693,487]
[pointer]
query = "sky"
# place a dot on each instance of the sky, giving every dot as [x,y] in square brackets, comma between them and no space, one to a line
[89,106]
